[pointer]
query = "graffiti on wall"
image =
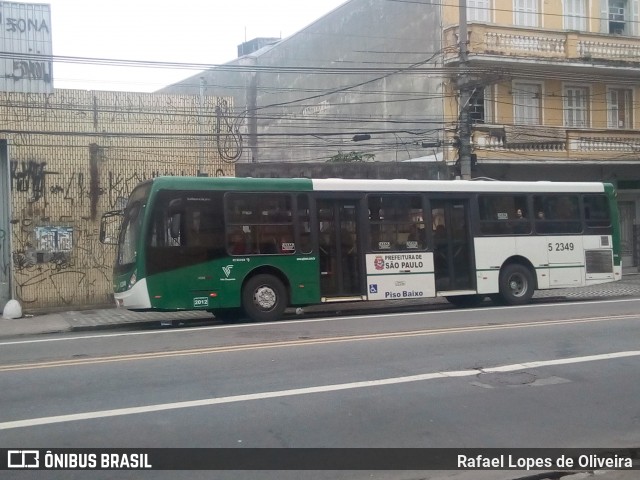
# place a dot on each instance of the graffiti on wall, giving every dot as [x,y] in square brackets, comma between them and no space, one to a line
[29,177]
[62,252]
[69,260]
[61,182]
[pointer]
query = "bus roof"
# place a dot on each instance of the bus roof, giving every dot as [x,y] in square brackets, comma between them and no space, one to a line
[360,185]
[454,186]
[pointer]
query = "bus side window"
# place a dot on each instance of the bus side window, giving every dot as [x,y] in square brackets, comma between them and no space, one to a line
[596,211]
[396,222]
[268,244]
[557,214]
[174,227]
[304,224]
[236,242]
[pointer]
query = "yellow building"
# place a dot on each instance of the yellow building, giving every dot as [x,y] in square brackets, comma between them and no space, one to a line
[68,157]
[555,92]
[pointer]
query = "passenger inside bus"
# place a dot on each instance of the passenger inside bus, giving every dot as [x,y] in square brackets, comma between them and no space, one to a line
[237,244]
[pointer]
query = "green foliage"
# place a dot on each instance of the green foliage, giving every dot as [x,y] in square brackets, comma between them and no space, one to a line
[351,157]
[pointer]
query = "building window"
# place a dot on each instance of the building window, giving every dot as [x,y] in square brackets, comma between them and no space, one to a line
[575,15]
[617,17]
[525,13]
[480,106]
[478,11]
[527,103]
[576,111]
[619,108]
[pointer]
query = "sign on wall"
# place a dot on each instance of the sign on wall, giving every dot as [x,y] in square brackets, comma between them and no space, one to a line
[26,63]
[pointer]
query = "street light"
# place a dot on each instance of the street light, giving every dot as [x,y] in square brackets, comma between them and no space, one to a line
[361,137]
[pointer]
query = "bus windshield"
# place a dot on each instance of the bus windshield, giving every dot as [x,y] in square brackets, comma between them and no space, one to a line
[130,229]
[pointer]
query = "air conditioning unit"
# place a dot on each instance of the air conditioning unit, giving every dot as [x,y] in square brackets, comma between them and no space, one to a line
[616,14]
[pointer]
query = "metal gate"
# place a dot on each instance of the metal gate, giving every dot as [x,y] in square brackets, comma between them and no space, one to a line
[5,232]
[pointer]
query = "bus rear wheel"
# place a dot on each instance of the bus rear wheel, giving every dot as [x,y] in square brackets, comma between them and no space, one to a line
[465,301]
[516,284]
[264,298]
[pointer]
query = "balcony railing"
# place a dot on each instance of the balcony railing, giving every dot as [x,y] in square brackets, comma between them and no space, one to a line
[559,143]
[504,41]
[609,50]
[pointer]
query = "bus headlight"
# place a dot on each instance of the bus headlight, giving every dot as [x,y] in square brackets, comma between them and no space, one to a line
[133,279]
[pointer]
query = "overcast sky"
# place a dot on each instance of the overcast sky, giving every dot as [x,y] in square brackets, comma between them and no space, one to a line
[185,31]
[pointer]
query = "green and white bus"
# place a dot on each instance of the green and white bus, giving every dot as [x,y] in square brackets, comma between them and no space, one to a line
[249,246]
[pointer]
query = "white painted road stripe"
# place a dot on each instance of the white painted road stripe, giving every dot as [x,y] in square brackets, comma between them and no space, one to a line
[307,391]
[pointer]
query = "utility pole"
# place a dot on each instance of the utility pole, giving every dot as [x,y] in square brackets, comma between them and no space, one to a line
[464,117]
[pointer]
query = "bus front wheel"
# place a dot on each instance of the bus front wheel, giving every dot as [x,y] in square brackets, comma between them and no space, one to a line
[516,284]
[264,298]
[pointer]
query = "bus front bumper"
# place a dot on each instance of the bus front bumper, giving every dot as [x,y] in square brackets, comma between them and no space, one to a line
[136,298]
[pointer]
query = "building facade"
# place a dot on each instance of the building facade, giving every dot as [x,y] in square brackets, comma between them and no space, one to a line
[369,71]
[68,157]
[555,93]
[553,85]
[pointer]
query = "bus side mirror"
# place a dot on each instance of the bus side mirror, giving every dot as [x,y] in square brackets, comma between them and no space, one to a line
[174,227]
[110,227]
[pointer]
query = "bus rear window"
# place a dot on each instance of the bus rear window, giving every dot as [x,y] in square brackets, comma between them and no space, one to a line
[596,211]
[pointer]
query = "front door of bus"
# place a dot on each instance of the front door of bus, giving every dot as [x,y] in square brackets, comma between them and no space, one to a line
[340,268]
[452,252]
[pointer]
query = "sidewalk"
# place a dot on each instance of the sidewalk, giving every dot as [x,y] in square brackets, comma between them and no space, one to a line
[109,318]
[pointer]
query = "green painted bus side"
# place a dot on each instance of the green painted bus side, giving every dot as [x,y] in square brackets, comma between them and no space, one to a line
[187,288]
[218,283]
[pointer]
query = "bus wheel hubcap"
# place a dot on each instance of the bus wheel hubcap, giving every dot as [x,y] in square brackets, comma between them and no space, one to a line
[265,298]
[518,285]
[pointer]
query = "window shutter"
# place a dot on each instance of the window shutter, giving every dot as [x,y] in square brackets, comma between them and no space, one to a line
[613,109]
[604,16]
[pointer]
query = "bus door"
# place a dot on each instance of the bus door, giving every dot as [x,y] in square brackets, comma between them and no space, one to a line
[338,246]
[452,247]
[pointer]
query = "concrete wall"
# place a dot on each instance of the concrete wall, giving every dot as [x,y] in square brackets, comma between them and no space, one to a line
[74,155]
[366,67]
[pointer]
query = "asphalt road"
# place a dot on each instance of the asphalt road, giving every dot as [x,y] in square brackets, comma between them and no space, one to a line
[544,375]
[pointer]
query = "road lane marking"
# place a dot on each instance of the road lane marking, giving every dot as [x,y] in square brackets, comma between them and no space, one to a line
[32,422]
[307,320]
[305,342]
